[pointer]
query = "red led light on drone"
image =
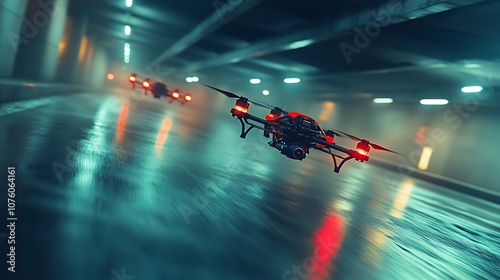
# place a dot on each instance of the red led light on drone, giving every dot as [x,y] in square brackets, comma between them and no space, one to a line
[175,95]
[145,84]
[132,78]
[361,151]
[241,109]
[363,147]
[187,97]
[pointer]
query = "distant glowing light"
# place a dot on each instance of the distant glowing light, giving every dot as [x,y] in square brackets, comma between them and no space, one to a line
[146,84]
[265,92]
[472,89]
[126,53]
[128,30]
[192,79]
[83,49]
[188,97]
[292,80]
[423,164]
[175,95]
[255,81]
[129,3]
[110,77]
[327,109]
[434,102]
[383,100]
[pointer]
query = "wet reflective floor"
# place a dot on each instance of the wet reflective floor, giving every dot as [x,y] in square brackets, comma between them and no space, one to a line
[112,186]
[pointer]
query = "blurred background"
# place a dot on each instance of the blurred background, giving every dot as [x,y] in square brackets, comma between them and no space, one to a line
[362,66]
[419,77]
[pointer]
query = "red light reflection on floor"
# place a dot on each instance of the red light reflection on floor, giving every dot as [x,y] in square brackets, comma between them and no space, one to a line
[122,121]
[327,241]
[162,134]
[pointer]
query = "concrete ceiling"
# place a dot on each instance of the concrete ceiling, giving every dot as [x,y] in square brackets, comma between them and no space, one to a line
[425,48]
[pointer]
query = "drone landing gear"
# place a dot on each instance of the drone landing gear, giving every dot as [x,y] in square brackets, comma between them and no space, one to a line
[243,131]
[337,166]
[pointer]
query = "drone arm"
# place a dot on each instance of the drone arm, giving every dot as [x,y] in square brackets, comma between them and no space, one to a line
[351,154]
[335,147]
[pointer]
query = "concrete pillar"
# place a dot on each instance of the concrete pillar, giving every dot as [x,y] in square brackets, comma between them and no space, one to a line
[86,59]
[11,19]
[99,66]
[41,34]
[69,52]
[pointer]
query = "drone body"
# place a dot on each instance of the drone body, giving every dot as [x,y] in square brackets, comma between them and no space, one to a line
[294,134]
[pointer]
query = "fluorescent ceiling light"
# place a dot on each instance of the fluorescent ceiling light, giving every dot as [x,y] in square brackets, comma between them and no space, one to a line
[192,79]
[129,3]
[128,30]
[265,92]
[255,81]
[472,89]
[472,65]
[433,101]
[382,100]
[292,80]
[300,44]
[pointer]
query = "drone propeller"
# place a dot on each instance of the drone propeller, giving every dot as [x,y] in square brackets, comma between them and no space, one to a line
[226,93]
[373,145]
[233,95]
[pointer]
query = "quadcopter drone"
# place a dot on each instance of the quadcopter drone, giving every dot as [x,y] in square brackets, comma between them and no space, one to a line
[295,134]
[159,89]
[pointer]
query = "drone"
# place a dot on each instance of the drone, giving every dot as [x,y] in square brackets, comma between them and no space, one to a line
[294,134]
[159,89]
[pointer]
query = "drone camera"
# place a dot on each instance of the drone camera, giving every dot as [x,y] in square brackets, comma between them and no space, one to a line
[294,152]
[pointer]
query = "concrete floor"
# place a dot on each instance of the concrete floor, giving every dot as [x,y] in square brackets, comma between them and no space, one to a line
[116,186]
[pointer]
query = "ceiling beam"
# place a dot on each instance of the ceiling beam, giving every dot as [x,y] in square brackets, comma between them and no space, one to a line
[367,17]
[224,13]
